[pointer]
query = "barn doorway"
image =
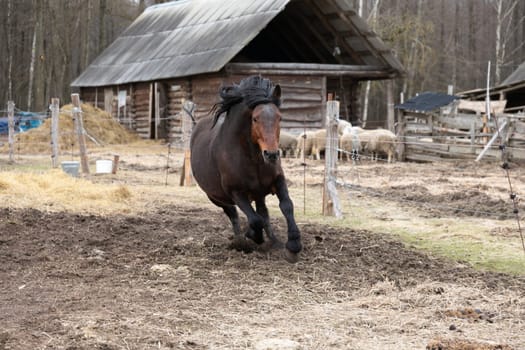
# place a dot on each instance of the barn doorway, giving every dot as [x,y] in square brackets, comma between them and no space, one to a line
[347,92]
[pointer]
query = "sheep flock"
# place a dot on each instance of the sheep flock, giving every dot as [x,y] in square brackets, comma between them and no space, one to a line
[354,143]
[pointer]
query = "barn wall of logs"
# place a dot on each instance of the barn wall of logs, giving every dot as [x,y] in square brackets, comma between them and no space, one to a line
[153,109]
[303,97]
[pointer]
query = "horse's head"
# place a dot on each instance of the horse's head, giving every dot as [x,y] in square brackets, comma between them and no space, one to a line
[265,127]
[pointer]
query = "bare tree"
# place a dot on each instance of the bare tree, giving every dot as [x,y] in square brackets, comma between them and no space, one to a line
[372,19]
[9,52]
[504,28]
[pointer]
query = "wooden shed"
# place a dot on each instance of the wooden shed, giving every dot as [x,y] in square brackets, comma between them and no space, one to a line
[512,90]
[187,49]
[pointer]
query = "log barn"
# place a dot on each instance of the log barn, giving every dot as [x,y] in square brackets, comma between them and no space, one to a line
[187,49]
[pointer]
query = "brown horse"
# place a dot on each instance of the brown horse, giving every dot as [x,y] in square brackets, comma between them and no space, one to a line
[235,160]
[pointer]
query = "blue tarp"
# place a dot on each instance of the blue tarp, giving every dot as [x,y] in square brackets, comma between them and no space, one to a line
[3,126]
[23,122]
[427,101]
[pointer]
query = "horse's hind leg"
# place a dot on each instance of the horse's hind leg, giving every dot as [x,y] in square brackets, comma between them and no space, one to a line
[255,221]
[262,210]
[239,242]
[232,214]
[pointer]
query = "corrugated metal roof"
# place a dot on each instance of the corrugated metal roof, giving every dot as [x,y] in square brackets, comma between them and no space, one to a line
[189,37]
[180,38]
[515,77]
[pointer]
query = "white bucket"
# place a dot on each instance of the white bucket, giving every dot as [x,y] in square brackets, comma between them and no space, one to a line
[104,166]
[71,167]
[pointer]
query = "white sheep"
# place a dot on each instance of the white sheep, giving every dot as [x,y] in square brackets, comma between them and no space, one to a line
[350,143]
[304,144]
[373,142]
[343,127]
[380,141]
[287,143]
[318,143]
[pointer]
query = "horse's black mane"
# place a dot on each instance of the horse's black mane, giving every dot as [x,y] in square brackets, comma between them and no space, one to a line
[253,90]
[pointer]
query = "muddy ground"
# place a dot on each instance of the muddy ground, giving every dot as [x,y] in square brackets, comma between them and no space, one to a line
[167,278]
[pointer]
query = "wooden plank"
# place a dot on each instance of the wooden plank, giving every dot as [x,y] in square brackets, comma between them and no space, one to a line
[427,146]
[481,106]
[417,157]
[517,153]
[519,127]
[461,149]
[461,121]
[418,128]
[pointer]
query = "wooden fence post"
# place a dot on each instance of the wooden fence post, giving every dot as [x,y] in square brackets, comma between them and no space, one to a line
[11,130]
[331,204]
[55,110]
[188,120]
[79,126]
[390,106]
[401,135]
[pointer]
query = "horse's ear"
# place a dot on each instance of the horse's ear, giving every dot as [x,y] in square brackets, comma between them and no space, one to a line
[277,92]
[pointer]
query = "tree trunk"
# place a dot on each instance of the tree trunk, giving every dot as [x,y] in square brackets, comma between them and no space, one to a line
[9,52]
[373,21]
[87,26]
[33,59]
[102,26]
[497,66]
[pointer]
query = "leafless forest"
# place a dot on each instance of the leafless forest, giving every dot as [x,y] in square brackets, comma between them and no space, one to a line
[47,43]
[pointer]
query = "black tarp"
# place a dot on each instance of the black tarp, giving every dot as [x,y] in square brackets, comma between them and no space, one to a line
[427,101]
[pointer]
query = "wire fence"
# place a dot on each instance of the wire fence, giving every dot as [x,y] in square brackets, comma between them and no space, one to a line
[162,162]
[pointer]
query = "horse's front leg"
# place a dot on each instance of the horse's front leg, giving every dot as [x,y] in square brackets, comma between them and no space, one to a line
[293,245]
[255,221]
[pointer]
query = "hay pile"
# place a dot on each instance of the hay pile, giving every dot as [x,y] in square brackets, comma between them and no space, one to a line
[100,127]
[55,190]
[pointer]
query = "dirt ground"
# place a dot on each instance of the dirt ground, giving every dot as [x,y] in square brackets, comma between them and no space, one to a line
[166,278]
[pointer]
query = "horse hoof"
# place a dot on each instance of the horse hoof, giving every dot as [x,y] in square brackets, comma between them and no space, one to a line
[292,258]
[256,237]
[270,245]
[242,245]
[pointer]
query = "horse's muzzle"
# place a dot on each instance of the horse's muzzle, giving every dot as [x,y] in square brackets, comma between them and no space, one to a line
[271,156]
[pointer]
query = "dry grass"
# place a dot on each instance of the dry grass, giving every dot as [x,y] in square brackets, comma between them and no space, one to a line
[54,190]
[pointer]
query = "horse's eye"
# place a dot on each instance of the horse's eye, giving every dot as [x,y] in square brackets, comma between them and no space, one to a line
[255,119]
